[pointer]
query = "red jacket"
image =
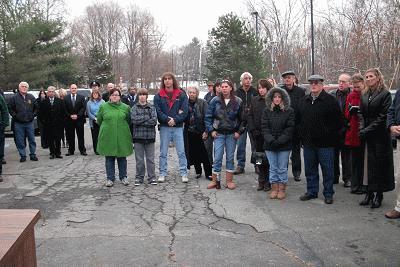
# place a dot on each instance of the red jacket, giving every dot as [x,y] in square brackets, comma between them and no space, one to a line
[352,138]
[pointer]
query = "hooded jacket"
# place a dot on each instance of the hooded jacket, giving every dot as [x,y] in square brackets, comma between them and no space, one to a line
[277,122]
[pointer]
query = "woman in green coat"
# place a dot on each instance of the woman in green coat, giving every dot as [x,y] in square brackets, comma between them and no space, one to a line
[115,140]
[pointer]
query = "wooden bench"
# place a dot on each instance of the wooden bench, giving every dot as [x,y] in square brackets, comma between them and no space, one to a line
[17,237]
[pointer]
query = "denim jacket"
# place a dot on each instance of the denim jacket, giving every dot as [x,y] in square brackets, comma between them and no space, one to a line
[225,119]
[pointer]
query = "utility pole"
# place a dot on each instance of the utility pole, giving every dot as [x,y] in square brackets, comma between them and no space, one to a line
[312,38]
[255,13]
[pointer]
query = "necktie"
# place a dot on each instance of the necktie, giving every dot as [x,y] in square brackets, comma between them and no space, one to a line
[73,101]
[51,101]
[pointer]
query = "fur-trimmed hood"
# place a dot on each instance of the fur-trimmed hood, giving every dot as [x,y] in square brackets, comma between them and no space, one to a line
[285,98]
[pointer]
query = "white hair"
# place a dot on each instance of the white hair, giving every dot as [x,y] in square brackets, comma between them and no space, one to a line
[23,83]
[51,88]
[244,74]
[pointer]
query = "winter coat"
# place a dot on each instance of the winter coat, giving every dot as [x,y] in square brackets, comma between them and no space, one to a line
[277,122]
[246,99]
[144,120]
[374,108]
[225,119]
[5,119]
[393,116]
[295,95]
[319,121]
[23,109]
[195,121]
[208,97]
[352,138]
[114,136]
[175,107]
[341,97]
[258,105]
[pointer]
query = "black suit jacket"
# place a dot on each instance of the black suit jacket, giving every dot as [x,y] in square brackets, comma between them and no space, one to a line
[79,108]
[52,116]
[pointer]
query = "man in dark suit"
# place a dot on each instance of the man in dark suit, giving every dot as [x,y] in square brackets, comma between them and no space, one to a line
[75,118]
[52,116]
[131,99]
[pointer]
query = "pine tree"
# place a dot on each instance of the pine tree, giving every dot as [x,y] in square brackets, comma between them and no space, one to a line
[234,49]
[99,66]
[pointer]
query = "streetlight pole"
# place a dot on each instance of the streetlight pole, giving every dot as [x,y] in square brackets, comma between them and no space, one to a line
[312,38]
[255,13]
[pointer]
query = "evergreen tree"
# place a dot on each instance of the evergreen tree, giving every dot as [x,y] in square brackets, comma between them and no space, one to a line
[99,66]
[39,55]
[234,49]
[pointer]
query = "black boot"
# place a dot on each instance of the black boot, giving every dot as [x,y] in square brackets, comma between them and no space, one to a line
[369,196]
[377,200]
[261,183]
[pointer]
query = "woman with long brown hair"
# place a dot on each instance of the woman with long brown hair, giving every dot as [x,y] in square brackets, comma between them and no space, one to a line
[376,140]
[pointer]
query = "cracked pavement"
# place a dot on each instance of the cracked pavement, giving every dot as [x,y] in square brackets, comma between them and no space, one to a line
[84,223]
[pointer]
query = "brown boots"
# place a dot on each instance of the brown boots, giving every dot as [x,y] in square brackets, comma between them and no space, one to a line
[229,181]
[278,191]
[217,184]
[214,182]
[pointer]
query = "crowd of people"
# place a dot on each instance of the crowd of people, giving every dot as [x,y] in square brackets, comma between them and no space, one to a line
[351,127]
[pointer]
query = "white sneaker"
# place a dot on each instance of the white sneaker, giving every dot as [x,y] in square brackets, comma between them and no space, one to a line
[185,179]
[125,181]
[161,179]
[109,183]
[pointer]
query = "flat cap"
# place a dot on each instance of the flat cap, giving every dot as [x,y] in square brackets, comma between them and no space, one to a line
[288,72]
[94,83]
[316,77]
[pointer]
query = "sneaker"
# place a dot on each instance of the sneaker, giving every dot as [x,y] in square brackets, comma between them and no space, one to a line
[161,179]
[185,179]
[33,158]
[137,182]
[109,183]
[125,181]
[22,159]
[153,182]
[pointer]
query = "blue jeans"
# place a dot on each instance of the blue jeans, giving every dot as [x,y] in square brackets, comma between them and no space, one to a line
[241,149]
[278,166]
[228,142]
[175,134]
[313,157]
[22,131]
[110,167]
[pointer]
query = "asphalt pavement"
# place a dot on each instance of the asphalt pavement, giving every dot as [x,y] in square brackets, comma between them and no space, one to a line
[84,223]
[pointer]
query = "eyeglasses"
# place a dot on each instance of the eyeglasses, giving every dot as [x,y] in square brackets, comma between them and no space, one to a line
[115,95]
[314,82]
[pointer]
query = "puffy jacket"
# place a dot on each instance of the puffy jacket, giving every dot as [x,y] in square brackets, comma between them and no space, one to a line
[277,122]
[175,107]
[23,109]
[225,119]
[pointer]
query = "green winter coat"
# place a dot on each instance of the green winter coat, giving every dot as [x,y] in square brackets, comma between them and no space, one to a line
[114,137]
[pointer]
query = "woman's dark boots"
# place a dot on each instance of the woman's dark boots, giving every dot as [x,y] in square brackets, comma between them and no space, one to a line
[369,197]
[377,200]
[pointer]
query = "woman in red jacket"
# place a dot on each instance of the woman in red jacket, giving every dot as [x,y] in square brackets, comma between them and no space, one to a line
[352,134]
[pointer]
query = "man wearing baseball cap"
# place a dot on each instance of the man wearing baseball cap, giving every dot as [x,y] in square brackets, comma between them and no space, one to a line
[295,94]
[319,121]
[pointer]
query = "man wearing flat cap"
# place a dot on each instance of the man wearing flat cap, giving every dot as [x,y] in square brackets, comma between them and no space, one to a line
[319,120]
[296,94]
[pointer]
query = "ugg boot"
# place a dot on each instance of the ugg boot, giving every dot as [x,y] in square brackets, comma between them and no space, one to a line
[274,192]
[214,182]
[281,191]
[229,181]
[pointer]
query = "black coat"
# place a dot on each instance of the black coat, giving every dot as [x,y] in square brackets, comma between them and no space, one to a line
[374,132]
[319,122]
[246,98]
[254,122]
[79,108]
[52,116]
[277,123]
[296,94]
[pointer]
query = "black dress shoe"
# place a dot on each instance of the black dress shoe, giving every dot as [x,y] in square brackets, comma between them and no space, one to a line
[347,184]
[377,202]
[307,196]
[3,161]
[69,154]
[33,158]
[83,153]
[22,159]
[238,170]
[59,156]
[51,157]
[328,200]
[369,197]
[297,178]
[357,191]
[198,175]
